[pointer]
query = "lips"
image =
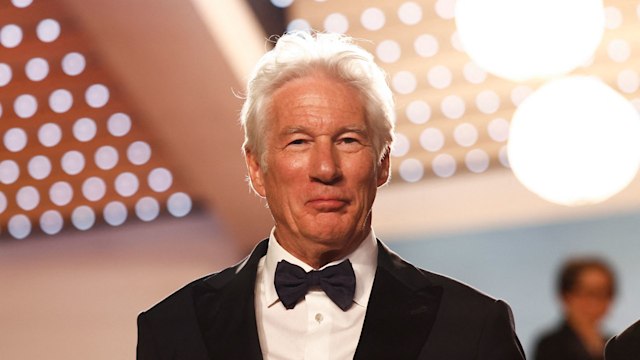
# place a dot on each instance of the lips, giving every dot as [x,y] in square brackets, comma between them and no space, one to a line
[327,204]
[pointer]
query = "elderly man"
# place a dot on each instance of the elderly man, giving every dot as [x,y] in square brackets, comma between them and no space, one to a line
[318,120]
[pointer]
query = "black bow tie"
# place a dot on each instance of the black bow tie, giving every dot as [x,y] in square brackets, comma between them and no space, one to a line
[337,281]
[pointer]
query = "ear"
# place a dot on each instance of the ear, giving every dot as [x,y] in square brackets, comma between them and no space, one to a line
[384,169]
[255,172]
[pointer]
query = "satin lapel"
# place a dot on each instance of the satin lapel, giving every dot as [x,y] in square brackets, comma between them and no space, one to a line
[401,311]
[225,308]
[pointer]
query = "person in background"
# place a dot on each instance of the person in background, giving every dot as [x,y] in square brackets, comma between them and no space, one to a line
[625,346]
[586,288]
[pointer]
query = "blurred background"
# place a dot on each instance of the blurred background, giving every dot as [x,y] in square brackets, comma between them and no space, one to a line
[122,178]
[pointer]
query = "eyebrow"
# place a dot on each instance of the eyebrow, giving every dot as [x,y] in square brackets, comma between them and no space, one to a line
[345,129]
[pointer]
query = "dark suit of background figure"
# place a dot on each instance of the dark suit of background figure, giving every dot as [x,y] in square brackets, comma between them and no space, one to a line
[412,314]
[625,346]
[562,344]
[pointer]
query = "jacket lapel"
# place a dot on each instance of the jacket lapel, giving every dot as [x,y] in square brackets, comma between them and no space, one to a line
[401,310]
[225,310]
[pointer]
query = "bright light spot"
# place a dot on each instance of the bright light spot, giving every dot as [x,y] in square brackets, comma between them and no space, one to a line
[498,130]
[404,82]
[465,134]
[628,81]
[401,145]
[453,107]
[3,202]
[488,102]
[61,193]
[418,112]
[48,30]
[37,69]
[127,184]
[590,135]
[444,165]
[411,170]
[9,172]
[613,17]
[19,226]
[519,93]
[571,33]
[388,51]
[5,74]
[445,8]
[115,213]
[106,157]
[139,152]
[72,162]
[410,13]
[619,50]
[477,161]
[473,73]
[147,208]
[15,139]
[94,188]
[28,198]
[73,64]
[503,156]
[432,139]
[439,77]
[83,218]
[39,167]
[282,3]
[426,45]
[160,179]
[21,3]
[25,106]
[84,129]
[51,222]
[119,124]
[336,23]
[298,24]
[10,36]
[97,95]
[179,204]
[49,134]
[456,43]
[372,19]
[60,101]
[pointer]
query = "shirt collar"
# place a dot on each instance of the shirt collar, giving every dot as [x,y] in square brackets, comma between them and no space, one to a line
[364,260]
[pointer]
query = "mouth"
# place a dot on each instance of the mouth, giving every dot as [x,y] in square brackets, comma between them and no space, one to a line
[327,204]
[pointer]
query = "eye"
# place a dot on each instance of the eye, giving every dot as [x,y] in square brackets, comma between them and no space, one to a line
[298,142]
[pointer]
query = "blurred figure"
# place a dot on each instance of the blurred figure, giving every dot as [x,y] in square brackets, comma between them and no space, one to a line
[625,346]
[586,288]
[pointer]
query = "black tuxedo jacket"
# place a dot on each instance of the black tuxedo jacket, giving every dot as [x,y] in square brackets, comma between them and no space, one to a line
[411,314]
[625,346]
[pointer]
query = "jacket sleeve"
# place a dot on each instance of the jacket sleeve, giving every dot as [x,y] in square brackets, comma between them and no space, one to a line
[145,350]
[499,340]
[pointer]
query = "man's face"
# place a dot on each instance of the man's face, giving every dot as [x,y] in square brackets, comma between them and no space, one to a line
[321,171]
[591,298]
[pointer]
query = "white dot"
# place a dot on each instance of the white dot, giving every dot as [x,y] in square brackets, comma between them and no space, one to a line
[456,43]
[49,134]
[19,226]
[612,17]
[10,36]
[336,23]
[401,145]
[3,202]
[147,208]
[465,134]
[444,165]
[15,139]
[72,162]
[179,204]
[115,213]
[452,107]
[139,152]
[28,198]
[39,167]
[83,217]
[298,24]
[106,157]
[439,77]
[410,13]
[503,157]
[404,82]
[94,188]
[388,51]
[411,170]
[160,179]
[21,3]
[25,106]
[61,193]
[619,50]
[282,3]
[488,102]
[519,93]
[84,129]
[119,124]
[432,139]
[97,95]
[73,64]
[37,69]
[418,112]
[372,19]
[445,8]
[628,81]
[126,184]
[426,45]
[51,222]
[477,161]
[5,74]
[9,172]
[60,101]
[48,30]
[473,73]
[498,130]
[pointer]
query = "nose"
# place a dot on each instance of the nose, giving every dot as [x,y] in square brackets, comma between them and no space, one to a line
[325,163]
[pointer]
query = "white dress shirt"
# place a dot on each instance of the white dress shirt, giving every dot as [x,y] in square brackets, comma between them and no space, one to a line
[315,328]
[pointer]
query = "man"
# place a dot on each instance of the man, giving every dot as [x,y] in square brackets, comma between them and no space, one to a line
[318,120]
[625,346]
